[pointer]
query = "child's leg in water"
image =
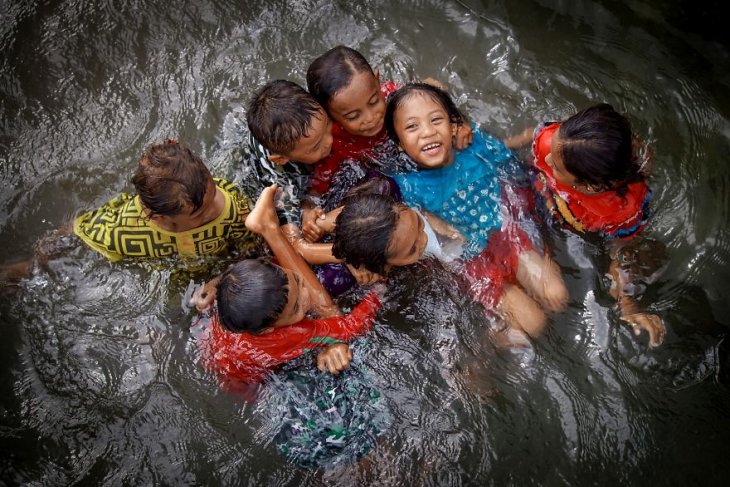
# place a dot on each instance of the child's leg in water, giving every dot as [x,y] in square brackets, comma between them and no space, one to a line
[522,313]
[541,278]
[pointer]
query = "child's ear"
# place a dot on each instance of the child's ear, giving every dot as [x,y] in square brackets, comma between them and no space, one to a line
[157,219]
[454,129]
[279,159]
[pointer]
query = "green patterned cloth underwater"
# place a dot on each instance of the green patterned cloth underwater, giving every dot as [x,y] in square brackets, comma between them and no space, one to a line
[322,420]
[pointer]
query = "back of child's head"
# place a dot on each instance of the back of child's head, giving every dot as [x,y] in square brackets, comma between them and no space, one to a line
[280,114]
[364,229]
[333,71]
[406,92]
[170,179]
[597,147]
[251,295]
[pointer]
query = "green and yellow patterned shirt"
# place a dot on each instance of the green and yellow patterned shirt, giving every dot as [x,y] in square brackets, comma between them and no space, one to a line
[120,229]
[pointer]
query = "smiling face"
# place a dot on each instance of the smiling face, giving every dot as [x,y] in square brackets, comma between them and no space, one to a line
[359,107]
[425,131]
[409,239]
[556,163]
[315,145]
[298,301]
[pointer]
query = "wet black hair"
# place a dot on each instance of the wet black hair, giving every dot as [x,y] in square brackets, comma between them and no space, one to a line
[597,148]
[364,229]
[169,178]
[333,71]
[280,114]
[251,295]
[396,99]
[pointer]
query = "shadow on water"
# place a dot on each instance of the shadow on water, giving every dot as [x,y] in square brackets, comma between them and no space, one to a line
[101,381]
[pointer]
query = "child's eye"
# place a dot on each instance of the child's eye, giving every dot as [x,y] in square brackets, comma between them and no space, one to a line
[411,126]
[374,100]
[351,117]
[437,120]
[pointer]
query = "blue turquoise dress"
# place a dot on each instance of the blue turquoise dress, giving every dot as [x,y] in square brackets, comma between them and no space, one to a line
[466,193]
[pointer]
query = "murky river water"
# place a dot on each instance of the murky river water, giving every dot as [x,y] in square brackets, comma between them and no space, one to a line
[100,381]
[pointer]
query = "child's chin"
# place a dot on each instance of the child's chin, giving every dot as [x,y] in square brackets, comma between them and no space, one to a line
[433,164]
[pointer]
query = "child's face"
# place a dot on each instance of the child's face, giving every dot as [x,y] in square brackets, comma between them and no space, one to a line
[409,240]
[359,107]
[556,163]
[298,300]
[425,131]
[316,145]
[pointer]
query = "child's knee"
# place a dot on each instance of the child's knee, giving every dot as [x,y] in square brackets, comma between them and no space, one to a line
[521,311]
[542,278]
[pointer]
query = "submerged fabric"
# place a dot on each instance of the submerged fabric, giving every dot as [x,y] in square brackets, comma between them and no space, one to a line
[244,357]
[606,213]
[321,420]
[466,193]
[120,229]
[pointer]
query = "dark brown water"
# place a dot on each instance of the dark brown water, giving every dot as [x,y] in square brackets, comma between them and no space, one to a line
[100,382]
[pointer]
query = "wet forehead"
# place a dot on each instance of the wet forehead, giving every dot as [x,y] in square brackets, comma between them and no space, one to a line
[317,130]
[361,88]
[418,104]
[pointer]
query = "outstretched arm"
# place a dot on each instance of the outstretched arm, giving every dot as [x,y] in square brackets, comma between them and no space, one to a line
[443,228]
[520,140]
[43,251]
[631,311]
[263,220]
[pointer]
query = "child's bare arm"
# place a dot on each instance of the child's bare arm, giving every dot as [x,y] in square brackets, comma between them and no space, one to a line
[631,311]
[441,227]
[520,140]
[43,251]
[313,253]
[263,220]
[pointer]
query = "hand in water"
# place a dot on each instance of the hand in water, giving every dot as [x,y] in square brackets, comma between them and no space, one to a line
[335,358]
[651,323]
[464,136]
[204,297]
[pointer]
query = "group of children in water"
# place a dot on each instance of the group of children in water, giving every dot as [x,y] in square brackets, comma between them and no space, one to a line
[354,178]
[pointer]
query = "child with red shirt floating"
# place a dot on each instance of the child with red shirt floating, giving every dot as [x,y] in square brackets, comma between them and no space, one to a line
[593,180]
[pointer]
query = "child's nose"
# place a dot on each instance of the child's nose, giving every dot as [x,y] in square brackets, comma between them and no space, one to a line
[428,130]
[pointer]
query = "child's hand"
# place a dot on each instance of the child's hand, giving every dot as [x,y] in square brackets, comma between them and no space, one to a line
[435,83]
[464,136]
[443,228]
[335,358]
[311,230]
[520,140]
[653,325]
[204,297]
[12,274]
[362,275]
